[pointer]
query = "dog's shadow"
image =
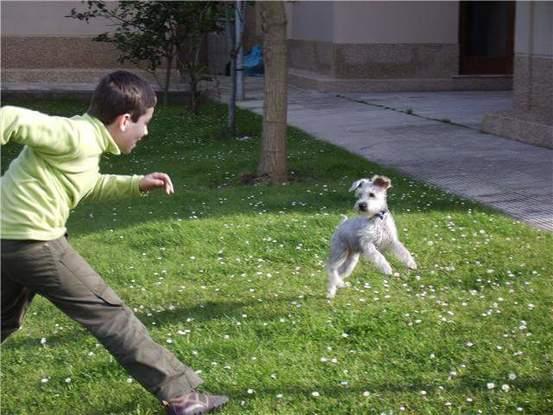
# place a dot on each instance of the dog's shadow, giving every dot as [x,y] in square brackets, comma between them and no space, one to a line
[227,309]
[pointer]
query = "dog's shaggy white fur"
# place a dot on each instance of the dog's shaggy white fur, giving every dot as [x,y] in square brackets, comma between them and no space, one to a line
[368,234]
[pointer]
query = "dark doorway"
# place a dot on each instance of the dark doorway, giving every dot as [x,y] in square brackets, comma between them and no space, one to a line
[486,37]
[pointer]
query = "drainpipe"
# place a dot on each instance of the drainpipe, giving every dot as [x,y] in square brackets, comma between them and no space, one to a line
[530,56]
[239,28]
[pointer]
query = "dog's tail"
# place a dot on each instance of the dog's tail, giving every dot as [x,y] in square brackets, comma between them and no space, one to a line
[344,218]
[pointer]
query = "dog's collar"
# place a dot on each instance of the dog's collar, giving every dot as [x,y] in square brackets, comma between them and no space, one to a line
[380,214]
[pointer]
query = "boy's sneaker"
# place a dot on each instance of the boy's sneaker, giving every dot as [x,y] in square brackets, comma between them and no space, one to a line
[194,403]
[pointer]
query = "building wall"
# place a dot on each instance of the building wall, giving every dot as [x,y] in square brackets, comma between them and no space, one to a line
[311,36]
[36,34]
[396,22]
[312,20]
[46,18]
[375,39]
[531,119]
[533,74]
[536,28]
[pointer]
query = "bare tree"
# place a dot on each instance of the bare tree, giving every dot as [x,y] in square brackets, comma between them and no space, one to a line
[272,162]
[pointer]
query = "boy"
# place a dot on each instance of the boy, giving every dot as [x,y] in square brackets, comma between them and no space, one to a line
[58,167]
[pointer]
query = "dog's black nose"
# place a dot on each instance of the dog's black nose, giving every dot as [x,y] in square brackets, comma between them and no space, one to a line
[363,206]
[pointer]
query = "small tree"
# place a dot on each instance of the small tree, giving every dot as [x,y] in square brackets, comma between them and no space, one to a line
[272,162]
[148,33]
[194,21]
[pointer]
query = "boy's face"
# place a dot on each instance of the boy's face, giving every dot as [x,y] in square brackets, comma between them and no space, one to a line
[126,133]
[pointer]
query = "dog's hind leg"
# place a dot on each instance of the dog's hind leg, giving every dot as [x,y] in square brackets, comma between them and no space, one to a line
[336,260]
[348,266]
[401,253]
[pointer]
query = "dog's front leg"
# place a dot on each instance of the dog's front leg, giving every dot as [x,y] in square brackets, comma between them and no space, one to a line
[401,253]
[381,263]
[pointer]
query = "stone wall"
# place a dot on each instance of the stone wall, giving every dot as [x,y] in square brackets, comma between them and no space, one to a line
[376,61]
[531,119]
[35,52]
[533,77]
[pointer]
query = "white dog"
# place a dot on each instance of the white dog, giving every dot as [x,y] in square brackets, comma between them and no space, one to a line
[367,234]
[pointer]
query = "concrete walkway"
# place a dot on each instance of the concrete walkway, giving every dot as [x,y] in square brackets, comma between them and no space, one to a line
[433,137]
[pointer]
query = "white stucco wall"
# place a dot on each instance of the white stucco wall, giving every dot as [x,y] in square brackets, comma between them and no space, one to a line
[46,18]
[311,20]
[396,22]
[375,21]
[534,28]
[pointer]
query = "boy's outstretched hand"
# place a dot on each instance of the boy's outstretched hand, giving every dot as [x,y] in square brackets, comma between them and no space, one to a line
[154,180]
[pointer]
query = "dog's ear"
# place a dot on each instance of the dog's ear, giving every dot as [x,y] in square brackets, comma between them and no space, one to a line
[382,181]
[357,184]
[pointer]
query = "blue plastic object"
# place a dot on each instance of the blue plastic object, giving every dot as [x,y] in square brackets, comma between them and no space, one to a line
[252,63]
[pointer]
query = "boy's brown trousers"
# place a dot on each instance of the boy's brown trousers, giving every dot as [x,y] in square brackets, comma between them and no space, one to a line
[54,270]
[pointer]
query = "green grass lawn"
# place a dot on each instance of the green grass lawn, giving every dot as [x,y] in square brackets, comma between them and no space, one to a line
[231,278]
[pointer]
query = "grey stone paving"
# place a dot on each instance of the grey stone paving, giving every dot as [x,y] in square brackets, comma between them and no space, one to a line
[453,155]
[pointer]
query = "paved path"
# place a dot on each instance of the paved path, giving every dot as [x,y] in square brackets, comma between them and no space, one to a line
[434,137]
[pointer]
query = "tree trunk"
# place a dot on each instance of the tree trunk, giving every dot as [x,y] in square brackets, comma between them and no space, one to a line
[273,144]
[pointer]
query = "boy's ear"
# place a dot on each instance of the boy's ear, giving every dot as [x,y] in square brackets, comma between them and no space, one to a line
[122,121]
[382,181]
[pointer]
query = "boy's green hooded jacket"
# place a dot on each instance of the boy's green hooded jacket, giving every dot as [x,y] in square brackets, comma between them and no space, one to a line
[57,168]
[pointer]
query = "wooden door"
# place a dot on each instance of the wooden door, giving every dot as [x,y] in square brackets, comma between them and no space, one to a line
[486,37]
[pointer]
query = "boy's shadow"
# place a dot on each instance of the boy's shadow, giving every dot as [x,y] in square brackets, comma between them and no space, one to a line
[199,313]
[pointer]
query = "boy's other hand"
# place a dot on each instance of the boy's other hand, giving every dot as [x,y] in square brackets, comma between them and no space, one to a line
[154,180]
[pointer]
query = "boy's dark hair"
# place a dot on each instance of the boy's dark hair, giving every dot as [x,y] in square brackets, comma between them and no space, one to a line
[121,92]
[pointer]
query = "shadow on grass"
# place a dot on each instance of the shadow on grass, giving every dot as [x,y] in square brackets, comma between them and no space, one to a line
[227,309]
[54,340]
[199,312]
[467,385]
[468,388]
[207,206]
